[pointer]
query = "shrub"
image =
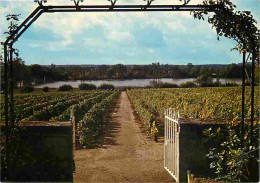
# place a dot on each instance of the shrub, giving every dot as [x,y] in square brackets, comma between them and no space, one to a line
[87,86]
[231,161]
[27,89]
[160,84]
[106,86]
[168,85]
[188,84]
[231,84]
[65,88]
[205,78]
[46,89]
[217,83]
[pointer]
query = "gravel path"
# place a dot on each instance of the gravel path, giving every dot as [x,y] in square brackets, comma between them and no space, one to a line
[127,155]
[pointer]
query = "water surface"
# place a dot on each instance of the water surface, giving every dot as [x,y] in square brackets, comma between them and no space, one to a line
[126,82]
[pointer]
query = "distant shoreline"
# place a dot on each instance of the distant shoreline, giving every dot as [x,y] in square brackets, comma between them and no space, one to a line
[127,82]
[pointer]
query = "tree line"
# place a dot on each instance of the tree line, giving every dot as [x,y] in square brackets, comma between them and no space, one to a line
[154,70]
[37,74]
[33,74]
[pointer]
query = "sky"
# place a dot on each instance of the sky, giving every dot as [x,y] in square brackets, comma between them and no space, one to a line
[127,38]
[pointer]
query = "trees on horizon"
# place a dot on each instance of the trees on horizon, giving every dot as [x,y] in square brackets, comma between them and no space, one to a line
[27,74]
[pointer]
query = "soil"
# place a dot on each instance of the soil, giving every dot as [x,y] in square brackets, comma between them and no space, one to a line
[127,154]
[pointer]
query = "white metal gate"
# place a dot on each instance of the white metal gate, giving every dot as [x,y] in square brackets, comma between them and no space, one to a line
[171,143]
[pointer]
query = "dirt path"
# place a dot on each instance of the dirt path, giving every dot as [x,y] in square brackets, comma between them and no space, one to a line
[126,156]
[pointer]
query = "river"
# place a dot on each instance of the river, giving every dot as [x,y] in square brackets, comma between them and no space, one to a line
[126,82]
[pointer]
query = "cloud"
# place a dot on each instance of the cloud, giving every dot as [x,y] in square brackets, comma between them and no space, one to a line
[69,25]
[49,45]
[119,36]
[95,42]
[150,50]
[13,7]
[34,45]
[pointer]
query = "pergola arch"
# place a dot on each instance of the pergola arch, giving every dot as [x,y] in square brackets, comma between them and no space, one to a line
[41,9]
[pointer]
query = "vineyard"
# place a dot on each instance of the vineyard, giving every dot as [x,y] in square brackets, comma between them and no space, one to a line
[90,109]
[205,104]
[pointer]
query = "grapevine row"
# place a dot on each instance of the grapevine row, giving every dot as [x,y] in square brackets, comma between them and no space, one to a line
[90,126]
[80,109]
[213,104]
[46,113]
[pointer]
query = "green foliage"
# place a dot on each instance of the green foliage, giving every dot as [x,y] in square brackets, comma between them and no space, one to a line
[168,85]
[41,74]
[27,105]
[82,107]
[13,21]
[143,112]
[257,75]
[24,158]
[46,112]
[235,70]
[231,84]
[15,153]
[46,89]
[154,132]
[231,160]
[188,84]
[54,106]
[218,103]
[233,24]
[146,71]
[87,86]
[159,84]
[106,86]
[27,89]
[65,88]
[90,127]
[205,78]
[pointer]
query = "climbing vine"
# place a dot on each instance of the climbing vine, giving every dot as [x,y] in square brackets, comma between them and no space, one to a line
[231,160]
[233,24]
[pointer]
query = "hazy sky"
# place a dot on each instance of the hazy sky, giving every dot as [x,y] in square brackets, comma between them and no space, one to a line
[128,38]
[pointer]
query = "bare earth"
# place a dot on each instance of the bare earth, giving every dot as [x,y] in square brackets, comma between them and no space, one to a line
[127,154]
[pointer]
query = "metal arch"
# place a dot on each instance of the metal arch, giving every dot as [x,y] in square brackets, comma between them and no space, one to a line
[103,8]
[91,8]
[24,24]
[131,8]
[77,8]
